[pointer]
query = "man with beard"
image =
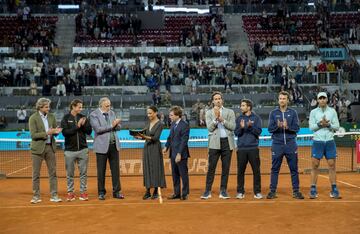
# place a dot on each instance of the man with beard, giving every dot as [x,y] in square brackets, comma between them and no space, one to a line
[75,128]
[283,126]
[248,130]
[220,122]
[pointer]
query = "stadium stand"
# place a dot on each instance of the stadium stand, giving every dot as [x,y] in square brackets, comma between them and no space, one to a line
[179,64]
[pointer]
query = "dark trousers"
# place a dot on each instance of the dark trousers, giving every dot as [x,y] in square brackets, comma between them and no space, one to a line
[290,152]
[243,157]
[180,170]
[214,155]
[101,159]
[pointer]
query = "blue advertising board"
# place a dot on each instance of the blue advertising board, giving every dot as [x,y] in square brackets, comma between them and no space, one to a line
[198,139]
[333,53]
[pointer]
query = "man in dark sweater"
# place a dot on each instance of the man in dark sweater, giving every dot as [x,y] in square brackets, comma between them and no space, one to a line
[75,128]
[248,130]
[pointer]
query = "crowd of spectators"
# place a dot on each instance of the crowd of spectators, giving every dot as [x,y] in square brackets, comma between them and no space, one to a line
[337,99]
[100,25]
[185,72]
[331,32]
[324,30]
[97,25]
[200,34]
[29,31]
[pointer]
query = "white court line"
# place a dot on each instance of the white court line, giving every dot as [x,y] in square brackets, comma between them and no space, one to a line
[337,166]
[19,170]
[9,161]
[342,182]
[178,203]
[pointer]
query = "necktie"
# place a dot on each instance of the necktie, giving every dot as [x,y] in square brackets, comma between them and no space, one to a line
[172,133]
[112,134]
[174,126]
[106,117]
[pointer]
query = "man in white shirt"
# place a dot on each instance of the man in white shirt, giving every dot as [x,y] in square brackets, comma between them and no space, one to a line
[21,115]
[43,129]
[59,72]
[37,74]
[220,122]
[60,89]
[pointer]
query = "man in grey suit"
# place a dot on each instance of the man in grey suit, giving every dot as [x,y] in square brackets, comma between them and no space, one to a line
[106,146]
[220,122]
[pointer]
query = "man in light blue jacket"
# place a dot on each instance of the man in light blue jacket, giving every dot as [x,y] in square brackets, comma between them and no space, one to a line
[324,122]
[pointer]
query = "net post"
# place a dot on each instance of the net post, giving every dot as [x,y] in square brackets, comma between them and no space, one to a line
[2,175]
[352,157]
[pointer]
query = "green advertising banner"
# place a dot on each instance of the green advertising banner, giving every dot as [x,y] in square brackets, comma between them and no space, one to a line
[348,141]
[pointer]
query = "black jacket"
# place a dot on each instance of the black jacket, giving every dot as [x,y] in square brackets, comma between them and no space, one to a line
[75,138]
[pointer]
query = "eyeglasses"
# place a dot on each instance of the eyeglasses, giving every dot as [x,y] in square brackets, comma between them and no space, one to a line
[322,97]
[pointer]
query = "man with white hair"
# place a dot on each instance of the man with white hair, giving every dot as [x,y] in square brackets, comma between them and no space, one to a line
[106,146]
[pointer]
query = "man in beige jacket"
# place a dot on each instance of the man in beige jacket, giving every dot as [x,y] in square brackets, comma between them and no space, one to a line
[220,122]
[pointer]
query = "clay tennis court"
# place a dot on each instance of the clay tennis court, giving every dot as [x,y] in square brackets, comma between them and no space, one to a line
[133,215]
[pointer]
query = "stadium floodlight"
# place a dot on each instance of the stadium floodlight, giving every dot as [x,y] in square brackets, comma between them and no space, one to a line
[181,9]
[68,7]
[311,3]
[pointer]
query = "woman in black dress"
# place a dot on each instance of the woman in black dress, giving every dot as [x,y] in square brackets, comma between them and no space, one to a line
[153,164]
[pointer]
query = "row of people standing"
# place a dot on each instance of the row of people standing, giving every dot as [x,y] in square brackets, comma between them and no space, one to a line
[222,127]
[75,127]
[283,126]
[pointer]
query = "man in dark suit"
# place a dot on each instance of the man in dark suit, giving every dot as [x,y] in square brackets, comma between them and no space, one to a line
[106,146]
[177,142]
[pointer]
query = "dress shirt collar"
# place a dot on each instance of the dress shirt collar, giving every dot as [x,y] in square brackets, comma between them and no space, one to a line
[42,115]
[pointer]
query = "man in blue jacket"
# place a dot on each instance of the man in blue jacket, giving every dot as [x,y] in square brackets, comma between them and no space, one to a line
[324,122]
[248,130]
[283,125]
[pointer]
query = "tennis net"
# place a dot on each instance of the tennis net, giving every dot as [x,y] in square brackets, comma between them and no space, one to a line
[15,157]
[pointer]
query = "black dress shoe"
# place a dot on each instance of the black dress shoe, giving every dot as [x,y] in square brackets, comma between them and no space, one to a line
[184,197]
[155,196]
[102,197]
[174,196]
[147,196]
[118,196]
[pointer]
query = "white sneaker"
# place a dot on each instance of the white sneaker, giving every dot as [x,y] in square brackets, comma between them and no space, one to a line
[224,195]
[258,196]
[240,196]
[206,195]
[35,200]
[55,199]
